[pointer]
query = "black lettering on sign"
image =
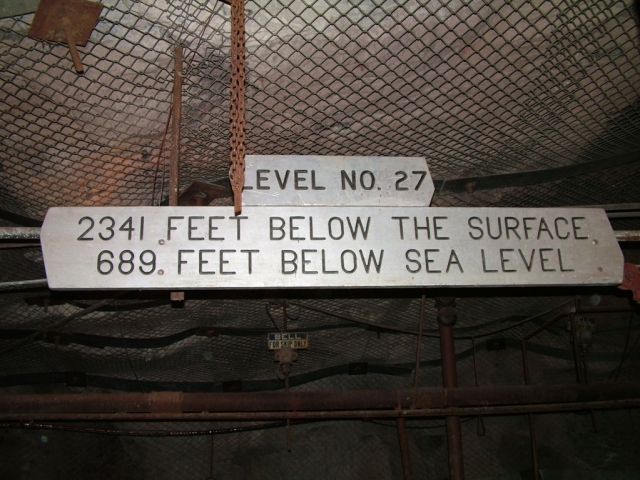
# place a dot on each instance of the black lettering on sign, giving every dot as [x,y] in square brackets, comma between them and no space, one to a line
[503,259]
[526,226]
[562,269]
[109,228]
[484,263]
[291,261]
[237,219]
[422,174]
[273,228]
[515,223]
[311,237]
[202,262]
[479,235]
[126,266]
[102,261]
[566,222]
[544,260]
[576,228]
[377,262]
[292,228]
[282,182]
[304,262]
[341,223]
[426,227]
[223,262]
[250,252]
[528,264]
[354,261]
[499,229]
[298,179]
[127,226]
[436,228]
[192,228]
[454,260]
[181,261]
[403,177]
[428,261]
[371,180]
[91,224]
[260,179]
[170,227]
[141,228]
[324,266]
[413,260]
[358,225]
[212,228]
[345,179]
[148,263]
[543,227]
[401,225]
[313,182]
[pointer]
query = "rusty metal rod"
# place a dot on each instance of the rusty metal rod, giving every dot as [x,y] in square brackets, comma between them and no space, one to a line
[19,233]
[327,415]
[42,282]
[174,167]
[301,401]
[446,319]
[419,346]
[404,448]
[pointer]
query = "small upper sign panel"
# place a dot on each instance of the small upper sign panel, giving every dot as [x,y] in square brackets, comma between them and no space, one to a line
[334,180]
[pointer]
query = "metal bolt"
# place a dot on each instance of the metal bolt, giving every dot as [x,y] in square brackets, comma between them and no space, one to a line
[160,242]
[160,272]
[595,242]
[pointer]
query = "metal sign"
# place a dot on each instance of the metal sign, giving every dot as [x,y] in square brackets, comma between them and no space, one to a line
[276,341]
[298,247]
[325,180]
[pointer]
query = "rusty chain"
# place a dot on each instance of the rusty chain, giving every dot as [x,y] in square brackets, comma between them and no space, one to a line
[236,170]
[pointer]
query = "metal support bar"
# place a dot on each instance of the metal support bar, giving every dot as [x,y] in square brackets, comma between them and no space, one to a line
[447,317]
[444,399]
[19,233]
[176,113]
[404,448]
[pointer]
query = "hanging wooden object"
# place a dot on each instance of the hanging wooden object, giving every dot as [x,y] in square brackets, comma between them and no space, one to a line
[67,21]
[236,170]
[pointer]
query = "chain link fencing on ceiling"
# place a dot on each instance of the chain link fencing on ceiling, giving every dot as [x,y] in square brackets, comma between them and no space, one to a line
[478,88]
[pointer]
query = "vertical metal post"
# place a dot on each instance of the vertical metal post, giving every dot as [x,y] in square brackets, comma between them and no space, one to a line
[532,426]
[447,317]
[418,351]
[404,448]
[174,171]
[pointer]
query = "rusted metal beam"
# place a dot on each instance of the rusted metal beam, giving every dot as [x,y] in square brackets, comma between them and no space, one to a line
[19,233]
[447,317]
[404,448]
[176,113]
[445,399]
[329,414]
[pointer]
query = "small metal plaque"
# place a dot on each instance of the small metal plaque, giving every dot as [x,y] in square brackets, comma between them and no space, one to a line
[276,341]
[338,247]
[333,180]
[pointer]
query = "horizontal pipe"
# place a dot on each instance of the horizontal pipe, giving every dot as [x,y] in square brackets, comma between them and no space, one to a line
[42,282]
[369,400]
[19,233]
[325,415]
[627,235]
[33,233]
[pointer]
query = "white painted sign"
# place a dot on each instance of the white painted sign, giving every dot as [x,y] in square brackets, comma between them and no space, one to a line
[291,247]
[334,180]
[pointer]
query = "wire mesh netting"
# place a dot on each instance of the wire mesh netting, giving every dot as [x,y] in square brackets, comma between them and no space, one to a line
[478,88]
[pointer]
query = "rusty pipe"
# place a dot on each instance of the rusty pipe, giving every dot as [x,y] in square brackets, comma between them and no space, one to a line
[404,448]
[327,415]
